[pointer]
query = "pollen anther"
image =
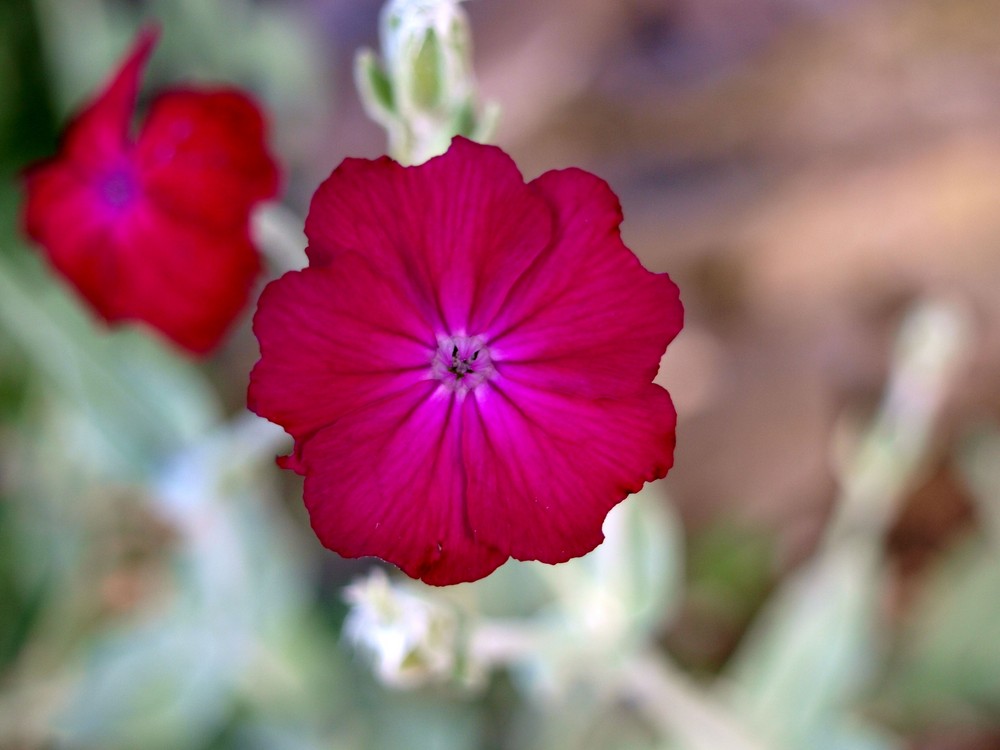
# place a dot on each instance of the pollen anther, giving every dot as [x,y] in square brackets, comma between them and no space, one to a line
[458,365]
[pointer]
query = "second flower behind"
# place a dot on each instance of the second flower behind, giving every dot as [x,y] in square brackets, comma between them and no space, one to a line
[155,228]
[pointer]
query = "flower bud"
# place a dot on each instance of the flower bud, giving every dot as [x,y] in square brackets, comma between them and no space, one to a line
[410,640]
[423,90]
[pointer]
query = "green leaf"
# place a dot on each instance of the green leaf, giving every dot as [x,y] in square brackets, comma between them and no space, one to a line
[142,401]
[169,677]
[854,735]
[427,73]
[979,461]
[424,719]
[812,650]
[374,88]
[165,685]
[631,583]
[949,663]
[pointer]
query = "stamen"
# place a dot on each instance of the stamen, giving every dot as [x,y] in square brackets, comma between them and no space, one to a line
[458,364]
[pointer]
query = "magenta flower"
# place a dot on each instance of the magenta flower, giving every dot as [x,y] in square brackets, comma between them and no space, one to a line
[466,366]
[155,227]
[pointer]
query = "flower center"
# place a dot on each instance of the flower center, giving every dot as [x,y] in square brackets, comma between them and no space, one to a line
[462,362]
[118,188]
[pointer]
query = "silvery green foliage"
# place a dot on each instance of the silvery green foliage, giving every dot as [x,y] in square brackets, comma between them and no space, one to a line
[811,658]
[947,656]
[423,90]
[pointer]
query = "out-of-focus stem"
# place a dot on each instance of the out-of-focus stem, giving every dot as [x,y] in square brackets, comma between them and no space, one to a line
[669,700]
[496,642]
[811,653]
[278,232]
[666,697]
[929,353]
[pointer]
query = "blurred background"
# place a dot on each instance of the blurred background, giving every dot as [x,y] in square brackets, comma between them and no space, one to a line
[808,171]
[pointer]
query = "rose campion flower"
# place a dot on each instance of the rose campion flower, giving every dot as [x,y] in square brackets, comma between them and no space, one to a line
[466,365]
[155,228]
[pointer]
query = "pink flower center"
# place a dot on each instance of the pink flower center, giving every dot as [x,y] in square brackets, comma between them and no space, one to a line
[118,188]
[462,363]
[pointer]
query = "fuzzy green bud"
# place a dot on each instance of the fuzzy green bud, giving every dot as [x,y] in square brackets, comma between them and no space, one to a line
[410,639]
[423,90]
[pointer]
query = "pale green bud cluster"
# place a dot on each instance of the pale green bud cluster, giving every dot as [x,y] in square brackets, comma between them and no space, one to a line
[423,90]
[411,640]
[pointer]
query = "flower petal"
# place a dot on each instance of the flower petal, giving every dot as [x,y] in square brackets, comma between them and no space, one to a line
[201,156]
[387,481]
[139,264]
[65,215]
[460,228]
[543,469]
[333,340]
[586,318]
[100,131]
[187,283]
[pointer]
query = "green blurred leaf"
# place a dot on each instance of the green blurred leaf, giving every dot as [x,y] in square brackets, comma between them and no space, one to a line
[622,590]
[142,401]
[466,120]
[427,73]
[585,721]
[631,583]
[27,120]
[21,603]
[949,663]
[729,571]
[170,676]
[165,685]
[979,461]
[854,735]
[732,563]
[257,734]
[641,559]
[425,719]
[374,88]
[15,381]
[813,648]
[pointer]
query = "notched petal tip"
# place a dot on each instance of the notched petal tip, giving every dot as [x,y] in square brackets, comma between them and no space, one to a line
[365,205]
[102,126]
[353,179]
[447,572]
[127,79]
[575,192]
[292,461]
[467,150]
[145,41]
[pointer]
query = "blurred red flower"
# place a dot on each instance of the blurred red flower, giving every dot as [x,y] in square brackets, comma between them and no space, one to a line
[155,228]
[466,366]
